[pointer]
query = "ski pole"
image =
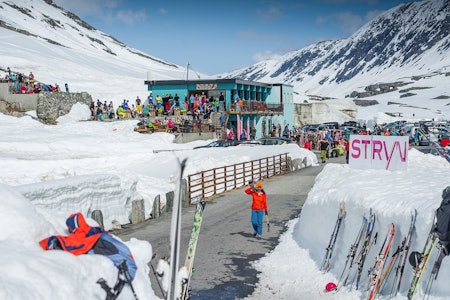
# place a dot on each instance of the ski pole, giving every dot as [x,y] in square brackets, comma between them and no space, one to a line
[268,222]
[124,269]
[157,276]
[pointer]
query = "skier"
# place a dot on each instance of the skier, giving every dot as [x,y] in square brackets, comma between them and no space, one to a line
[259,207]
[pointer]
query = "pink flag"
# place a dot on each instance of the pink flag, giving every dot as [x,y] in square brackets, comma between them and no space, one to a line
[242,124]
[248,128]
[238,127]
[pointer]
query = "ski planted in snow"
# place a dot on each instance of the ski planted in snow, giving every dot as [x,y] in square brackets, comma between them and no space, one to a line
[435,270]
[377,269]
[329,250]
[175,228]
[351,256]
[403,255]
[158,276]
[419,260]
[198,217]
[365,247]
[389,267]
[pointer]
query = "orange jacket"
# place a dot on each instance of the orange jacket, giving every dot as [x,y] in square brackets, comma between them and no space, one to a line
[259,199]
[81,239]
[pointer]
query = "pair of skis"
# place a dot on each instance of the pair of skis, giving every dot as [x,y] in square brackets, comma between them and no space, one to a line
[325,267]
[375,273]
[419,262]
[351,256]
[357,253]
[399,258]
[365,247]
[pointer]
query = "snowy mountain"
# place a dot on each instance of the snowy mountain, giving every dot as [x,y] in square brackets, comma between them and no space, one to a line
[39,36]
[404,51]
[404,45]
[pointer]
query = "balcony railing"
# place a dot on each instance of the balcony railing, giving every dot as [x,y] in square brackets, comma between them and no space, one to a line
[256,107]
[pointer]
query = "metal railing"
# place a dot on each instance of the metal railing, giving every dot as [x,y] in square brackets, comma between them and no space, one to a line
[256,107]
[219,180]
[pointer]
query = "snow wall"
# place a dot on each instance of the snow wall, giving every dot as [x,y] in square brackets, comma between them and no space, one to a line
[85,194]
[392,196]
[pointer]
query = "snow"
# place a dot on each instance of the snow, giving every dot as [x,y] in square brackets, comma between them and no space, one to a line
[43,166]
[76,159]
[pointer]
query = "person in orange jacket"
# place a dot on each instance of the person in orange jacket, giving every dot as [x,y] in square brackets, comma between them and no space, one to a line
[259,207]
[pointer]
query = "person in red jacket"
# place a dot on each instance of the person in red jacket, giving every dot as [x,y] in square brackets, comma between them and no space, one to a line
[259,207]
[308,145]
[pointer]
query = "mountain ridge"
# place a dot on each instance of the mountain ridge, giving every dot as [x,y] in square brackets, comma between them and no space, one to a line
[406,39]
[406,44]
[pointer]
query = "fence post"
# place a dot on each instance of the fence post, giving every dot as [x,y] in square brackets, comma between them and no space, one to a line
[169,200]
[156,210]
[137,211]
[290,164]
[97,215]
[185,197]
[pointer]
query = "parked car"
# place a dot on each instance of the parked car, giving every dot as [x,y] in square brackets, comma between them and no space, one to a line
[219,143]
[275,141]
[444,138]
[249,143]
[423,141]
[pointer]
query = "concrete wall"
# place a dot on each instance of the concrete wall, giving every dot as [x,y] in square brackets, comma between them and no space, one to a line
[22,102]
[195,136]
[48,106]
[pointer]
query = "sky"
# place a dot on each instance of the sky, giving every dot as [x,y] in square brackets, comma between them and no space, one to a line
[44,157]
[43,161]
[220,36]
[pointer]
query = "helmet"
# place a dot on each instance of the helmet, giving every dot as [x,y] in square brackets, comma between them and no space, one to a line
[331,286]
[259,184]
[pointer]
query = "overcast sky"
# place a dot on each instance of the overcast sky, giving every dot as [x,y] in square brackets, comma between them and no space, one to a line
[219,36]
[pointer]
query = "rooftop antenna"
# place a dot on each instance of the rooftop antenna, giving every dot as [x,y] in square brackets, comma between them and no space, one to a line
[187,71]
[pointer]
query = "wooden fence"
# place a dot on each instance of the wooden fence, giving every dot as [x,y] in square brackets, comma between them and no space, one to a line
[218,180]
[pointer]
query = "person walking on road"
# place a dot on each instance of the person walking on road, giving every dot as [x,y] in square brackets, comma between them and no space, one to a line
[324,146]
[259,207]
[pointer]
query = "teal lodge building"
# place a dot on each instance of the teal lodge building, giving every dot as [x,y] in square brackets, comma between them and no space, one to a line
[246,102]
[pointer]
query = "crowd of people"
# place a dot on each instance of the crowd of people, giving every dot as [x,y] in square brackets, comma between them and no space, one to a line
[23,84]
[197,105]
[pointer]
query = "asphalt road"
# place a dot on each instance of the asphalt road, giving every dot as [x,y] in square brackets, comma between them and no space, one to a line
[226,246]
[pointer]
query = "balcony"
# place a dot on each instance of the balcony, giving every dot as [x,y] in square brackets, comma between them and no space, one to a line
[253,107]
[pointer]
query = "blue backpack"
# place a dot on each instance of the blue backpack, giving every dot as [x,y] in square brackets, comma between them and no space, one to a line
[116,251]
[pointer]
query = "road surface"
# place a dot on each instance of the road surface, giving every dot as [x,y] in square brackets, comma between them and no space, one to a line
[226,246]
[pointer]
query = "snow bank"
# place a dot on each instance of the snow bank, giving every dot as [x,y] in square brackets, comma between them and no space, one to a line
[392,196]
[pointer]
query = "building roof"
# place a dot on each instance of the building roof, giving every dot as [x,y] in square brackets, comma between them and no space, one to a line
[213,80]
